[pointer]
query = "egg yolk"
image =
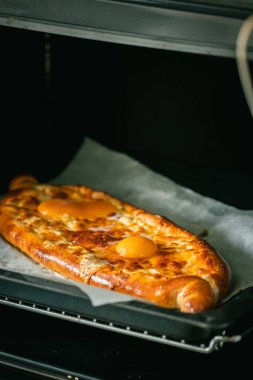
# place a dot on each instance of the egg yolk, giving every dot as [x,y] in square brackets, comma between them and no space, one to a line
[90,210]
[136,247]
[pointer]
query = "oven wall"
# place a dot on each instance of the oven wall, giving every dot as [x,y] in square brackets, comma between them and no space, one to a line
[183,115]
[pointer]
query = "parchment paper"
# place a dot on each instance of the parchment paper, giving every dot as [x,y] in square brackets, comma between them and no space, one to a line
[229,229]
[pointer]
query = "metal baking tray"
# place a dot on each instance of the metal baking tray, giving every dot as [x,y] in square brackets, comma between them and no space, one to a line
[203,332]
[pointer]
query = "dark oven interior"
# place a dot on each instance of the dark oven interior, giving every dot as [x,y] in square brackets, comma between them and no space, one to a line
[183,115]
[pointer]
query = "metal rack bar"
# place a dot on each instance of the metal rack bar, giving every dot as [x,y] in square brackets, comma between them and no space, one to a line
[44,371]
[127,23]
[214,344]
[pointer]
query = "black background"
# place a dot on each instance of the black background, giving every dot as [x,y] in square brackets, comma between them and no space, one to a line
[181,114]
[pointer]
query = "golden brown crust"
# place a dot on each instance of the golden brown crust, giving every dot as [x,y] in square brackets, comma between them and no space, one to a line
[22,182]
[185,272]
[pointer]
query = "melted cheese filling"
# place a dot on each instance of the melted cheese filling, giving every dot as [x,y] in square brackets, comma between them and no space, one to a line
[119,239]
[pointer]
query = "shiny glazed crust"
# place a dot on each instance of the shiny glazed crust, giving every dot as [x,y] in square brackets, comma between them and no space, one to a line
[185,273]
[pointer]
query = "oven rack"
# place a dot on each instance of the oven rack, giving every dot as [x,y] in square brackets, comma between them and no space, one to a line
[202,29]
[44,371]
[214,344]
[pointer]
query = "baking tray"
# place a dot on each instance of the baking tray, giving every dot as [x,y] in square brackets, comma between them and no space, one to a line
[203,332]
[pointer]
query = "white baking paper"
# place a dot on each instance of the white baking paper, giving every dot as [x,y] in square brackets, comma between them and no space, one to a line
[229,229]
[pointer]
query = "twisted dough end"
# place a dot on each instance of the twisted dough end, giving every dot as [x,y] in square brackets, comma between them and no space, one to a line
[22,181]
[196,295]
